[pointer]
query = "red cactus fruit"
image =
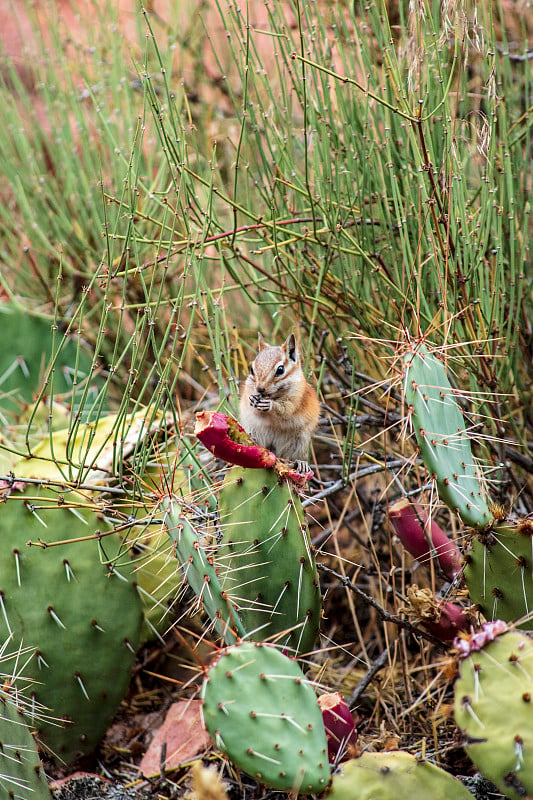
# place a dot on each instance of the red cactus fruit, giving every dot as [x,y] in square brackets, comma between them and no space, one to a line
[340,727]
[226,439]
[415,530]
[442,619]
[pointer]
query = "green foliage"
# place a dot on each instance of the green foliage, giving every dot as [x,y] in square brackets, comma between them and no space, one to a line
[260,710]
[394,775]
[439,427]
[493,705]
[77,605]
[265,558]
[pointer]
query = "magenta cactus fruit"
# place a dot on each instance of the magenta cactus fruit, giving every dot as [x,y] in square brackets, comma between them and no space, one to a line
[226,439]
[443,619]
[339,725]
[423,538]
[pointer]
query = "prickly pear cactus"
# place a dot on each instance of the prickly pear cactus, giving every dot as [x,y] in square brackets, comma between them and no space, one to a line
[83,617]
[265,558]
[494,706]
[394,776]
[21,772]
[439,428]
[260,710]
[199,571]
[499,572]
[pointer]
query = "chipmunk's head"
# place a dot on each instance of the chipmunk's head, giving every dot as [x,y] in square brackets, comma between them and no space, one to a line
[276,370]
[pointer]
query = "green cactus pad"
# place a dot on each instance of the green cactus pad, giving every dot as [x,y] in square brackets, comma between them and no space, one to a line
[265,558]
[394,776]
[199,571]
[27,355]
[494,706]
[499,573]
[439,428]
[261,711]
[21,772]
[82,617]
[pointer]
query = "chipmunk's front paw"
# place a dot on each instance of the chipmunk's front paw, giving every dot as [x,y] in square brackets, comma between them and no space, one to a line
[260,402]
[302,467]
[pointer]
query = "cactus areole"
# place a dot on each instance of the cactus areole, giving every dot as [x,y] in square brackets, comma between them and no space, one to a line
[261,711]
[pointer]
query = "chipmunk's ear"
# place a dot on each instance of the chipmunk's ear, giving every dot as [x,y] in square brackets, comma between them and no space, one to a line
[261,343]
[291,348]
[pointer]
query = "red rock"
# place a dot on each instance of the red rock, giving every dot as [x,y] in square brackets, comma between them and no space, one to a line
[184,735]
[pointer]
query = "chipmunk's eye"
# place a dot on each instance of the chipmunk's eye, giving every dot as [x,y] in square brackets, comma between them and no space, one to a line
[252,370]
[280,370]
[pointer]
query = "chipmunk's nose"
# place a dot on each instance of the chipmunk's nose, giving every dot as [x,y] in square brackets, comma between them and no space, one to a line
[261,390]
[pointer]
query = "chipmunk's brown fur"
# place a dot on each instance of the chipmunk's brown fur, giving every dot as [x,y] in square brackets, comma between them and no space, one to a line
[279,408]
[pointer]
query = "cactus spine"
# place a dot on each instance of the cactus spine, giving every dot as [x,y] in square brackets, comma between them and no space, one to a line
[265,558]
[440,432]
[261,711]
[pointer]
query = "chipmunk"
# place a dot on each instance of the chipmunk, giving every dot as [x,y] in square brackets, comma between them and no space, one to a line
[279,408]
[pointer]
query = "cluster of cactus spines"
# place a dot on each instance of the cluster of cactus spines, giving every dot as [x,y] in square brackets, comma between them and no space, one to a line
[265,558]
[444,443]
[494,706]
[21,773]
[261,711]
[199,571]
[82,617]
[499,572]
[393,775]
